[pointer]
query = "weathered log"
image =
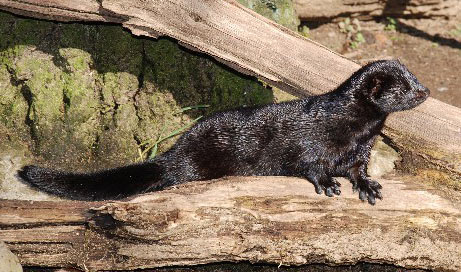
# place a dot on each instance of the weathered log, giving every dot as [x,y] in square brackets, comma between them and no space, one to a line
[261,219]
[315,10]
[257,46]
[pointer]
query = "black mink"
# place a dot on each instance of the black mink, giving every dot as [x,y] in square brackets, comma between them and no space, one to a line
[316,138]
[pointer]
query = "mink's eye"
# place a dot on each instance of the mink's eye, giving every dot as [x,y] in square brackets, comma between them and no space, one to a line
[379,84]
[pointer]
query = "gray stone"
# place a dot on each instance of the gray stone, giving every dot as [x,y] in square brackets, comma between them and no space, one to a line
[8,261]
[382,159]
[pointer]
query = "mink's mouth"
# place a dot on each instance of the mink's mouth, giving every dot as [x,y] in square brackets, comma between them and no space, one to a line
[422,94]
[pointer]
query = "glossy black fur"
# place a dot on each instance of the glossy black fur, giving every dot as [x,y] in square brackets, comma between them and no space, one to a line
[317,138]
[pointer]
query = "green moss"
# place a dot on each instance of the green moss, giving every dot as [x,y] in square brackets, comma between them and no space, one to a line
[281,96]
[42,85]
[27,31]
[280,11]
[78,61]
[194,80]
[80,99]
[45,85]
[13,106]
[117,50]
[229,91]
[79,36]
[175,70]
[88,93]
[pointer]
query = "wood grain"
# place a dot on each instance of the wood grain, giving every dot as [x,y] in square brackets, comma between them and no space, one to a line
[257,219]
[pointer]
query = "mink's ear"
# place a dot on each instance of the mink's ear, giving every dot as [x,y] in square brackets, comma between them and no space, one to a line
[377,83]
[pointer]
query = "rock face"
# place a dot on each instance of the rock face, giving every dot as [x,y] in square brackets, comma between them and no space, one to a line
[83,93]
[281,11]
[315,10]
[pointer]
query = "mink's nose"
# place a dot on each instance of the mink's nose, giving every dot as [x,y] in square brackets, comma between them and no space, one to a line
[422,93]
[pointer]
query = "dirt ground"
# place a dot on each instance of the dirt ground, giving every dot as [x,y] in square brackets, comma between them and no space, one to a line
[431,48]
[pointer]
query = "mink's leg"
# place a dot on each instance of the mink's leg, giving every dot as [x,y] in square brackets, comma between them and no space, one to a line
[319,177]
[367,188]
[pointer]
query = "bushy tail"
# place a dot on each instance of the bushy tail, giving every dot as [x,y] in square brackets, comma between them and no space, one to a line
[108,184]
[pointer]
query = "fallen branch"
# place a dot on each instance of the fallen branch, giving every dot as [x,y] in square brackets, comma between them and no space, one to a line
[260,219]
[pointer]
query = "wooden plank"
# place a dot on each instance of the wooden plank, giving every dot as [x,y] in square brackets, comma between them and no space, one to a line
[43,212]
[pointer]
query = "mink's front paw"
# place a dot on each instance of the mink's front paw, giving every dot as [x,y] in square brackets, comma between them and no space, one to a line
[331,187]
[368,190]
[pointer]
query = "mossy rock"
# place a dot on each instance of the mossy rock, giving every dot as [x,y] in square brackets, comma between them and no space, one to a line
[280,11]
[78,94]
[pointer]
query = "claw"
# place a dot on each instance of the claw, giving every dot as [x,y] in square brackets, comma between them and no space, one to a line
[371,199]
[379,195]
[335,182]
[337,191]
[355,187]
[362,195]
[329,191]
[318,189]
[375,184]
[368,190]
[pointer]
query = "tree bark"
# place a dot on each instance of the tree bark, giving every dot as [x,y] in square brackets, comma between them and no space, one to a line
[258,219]
[315,10]
[252,44]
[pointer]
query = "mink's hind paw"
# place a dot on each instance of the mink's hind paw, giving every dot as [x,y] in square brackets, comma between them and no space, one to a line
[369,190]
[331,187]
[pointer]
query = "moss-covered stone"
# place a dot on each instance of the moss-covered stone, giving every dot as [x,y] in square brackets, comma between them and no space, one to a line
[194,80]
[13,106]
[280,11]
[82,93]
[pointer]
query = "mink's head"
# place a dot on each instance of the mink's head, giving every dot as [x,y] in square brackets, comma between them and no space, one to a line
[389,86]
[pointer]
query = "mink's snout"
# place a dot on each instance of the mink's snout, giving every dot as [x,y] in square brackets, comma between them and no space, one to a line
[422,93]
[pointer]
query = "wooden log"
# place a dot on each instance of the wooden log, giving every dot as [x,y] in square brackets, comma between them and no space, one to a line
[257,46]
[258,219]
[321,10]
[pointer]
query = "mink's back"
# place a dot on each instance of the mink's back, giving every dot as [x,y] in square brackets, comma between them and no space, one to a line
[267,140]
